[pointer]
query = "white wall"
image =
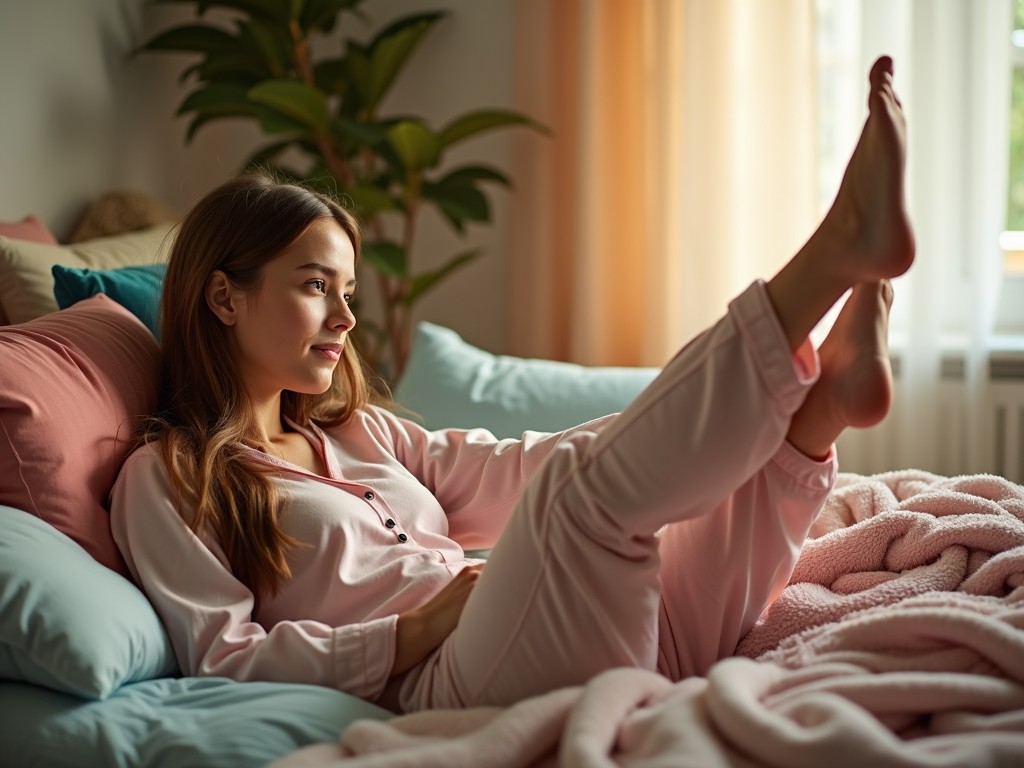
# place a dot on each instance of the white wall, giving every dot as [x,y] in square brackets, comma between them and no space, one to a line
[80,117]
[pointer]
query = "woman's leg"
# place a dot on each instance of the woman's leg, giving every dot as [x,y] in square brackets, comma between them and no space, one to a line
[574,585]
[721,570]
[855,386]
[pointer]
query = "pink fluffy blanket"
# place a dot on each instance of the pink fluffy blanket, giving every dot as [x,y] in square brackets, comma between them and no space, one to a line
[898,642]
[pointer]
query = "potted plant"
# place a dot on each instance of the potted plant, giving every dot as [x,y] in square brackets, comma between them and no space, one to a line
[322,117]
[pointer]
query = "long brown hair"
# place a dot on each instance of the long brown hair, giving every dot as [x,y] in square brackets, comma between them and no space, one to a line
[204,418]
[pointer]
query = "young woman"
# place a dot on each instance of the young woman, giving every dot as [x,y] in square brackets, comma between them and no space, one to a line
[287,528]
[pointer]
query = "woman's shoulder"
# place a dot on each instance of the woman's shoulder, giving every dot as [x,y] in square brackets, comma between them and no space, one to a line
[146,460]
[369,415]
[147,452]
[374,424]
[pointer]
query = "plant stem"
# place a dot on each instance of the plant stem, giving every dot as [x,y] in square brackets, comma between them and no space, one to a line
[337,165]
[400,318]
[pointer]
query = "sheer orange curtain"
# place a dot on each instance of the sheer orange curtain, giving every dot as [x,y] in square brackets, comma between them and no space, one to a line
[679,166]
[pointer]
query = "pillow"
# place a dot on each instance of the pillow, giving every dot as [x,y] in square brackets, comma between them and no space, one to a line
[450,383]
[68,623]
[120,211]
[26,278]
[73,386]
[136,288]
[30,228]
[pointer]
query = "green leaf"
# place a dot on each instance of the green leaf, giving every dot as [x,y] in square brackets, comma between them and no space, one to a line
[369,200]
[220,100]
[469,175]
[386,257]
[323,14]
[416,146]
[275,122]
[458,203]
[427,280]
[478,122]
[197,38]
[361,132]
[390,50]
[357,65]
[216,102]
[233,67]
[297,101]
[266,41]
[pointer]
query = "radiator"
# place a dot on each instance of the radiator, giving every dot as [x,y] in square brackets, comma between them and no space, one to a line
[940,443]
[1006,382]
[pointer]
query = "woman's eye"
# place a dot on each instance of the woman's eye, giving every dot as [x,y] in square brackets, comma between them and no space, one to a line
[348,298]
[319,285]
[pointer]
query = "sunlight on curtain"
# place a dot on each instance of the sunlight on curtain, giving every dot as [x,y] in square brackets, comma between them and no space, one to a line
[694,145]
[680,166]
[952,74]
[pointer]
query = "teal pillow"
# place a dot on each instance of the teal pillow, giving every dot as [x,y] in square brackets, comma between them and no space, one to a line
[67,622]
[450,383]
[136,288]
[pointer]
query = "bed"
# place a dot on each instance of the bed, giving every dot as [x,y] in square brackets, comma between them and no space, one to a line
[899,641]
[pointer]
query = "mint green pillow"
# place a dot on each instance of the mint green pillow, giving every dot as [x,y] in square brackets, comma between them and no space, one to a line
[136,288]
[450,383]
[68,623]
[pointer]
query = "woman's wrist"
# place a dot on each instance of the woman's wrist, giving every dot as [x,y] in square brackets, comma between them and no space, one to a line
[409,636]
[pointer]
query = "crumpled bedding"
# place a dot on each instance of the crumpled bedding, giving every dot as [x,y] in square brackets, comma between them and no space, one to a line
[898,642]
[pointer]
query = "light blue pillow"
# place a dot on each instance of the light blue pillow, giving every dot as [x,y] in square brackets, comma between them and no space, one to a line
[189,721]
[136,288]
[67,622]
[450,383]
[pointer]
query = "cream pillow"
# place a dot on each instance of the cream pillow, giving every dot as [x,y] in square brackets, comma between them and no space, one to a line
[26,279]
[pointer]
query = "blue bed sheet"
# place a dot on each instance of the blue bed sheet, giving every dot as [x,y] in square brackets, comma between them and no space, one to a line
[171,723]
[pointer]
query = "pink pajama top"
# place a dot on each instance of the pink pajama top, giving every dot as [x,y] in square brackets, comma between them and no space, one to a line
[382,533]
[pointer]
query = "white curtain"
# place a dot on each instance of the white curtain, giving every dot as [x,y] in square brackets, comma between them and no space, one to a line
[953,76]
[682,163]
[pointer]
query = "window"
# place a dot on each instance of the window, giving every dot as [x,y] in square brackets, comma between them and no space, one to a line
[1012,241]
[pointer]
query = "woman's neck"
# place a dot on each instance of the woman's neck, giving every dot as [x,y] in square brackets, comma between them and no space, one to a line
[269,420]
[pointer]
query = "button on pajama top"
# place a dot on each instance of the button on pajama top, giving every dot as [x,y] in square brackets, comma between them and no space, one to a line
[653,538]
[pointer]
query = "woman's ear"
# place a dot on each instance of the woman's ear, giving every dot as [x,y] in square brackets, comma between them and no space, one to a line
[220,297]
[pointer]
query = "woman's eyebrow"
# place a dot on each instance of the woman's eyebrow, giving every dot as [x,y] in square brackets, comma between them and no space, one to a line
[316,266]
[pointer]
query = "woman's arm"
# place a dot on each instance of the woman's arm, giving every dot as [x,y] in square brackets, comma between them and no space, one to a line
[423,629]
[476,477]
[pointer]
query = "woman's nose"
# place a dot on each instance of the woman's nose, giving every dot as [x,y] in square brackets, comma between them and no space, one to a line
[342,316]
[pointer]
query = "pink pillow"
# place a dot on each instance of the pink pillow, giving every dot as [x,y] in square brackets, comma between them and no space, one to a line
[29,228]
[73,386]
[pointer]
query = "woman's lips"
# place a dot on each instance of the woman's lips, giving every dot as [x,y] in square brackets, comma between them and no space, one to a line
[331,351]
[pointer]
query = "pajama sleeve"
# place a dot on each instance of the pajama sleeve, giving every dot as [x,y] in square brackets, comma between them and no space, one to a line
[476,477]
[208,612]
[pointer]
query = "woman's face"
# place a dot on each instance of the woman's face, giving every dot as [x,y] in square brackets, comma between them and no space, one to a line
[290,334]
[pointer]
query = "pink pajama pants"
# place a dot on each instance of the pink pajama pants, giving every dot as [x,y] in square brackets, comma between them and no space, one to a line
[655,543]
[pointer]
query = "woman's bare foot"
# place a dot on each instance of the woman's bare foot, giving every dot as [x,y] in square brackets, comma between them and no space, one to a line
[869,213]
[855,385]
[866,236]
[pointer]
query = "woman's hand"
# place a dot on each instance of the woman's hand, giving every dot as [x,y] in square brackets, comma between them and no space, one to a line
[423,629]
